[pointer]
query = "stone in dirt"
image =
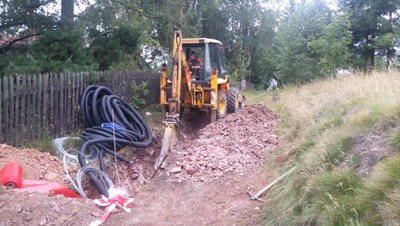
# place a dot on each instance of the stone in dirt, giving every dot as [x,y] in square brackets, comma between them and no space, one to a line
[231,144]
[190,169]
[177,169]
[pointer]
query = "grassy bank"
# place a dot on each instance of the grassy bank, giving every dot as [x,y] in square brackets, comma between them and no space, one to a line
[344,137]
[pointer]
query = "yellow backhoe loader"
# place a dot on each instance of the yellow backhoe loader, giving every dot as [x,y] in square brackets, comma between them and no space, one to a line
[200,81]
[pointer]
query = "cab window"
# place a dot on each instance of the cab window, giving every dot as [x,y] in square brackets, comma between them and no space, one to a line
[214,57]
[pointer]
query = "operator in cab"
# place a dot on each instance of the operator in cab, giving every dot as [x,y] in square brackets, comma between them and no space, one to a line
[196,66]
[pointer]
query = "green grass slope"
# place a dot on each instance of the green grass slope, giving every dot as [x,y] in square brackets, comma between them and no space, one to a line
[344,137]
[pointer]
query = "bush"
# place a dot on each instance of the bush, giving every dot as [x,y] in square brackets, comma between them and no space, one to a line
[139,93]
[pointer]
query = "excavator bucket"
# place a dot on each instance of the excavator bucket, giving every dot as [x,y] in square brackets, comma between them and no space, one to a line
[168,141]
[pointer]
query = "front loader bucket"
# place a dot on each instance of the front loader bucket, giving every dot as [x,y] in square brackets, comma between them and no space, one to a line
[167,143]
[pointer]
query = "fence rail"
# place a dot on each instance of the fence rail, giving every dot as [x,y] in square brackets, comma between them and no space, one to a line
[37,106]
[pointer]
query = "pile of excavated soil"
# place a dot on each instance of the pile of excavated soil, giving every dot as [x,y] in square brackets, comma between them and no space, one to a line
[32,208]
[36,165]
[23,208]
[39,165]
[231,144]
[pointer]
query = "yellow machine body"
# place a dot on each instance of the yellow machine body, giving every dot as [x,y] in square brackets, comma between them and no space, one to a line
[182,90]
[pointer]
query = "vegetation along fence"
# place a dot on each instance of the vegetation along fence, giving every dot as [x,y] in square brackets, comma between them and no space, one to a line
[37,106]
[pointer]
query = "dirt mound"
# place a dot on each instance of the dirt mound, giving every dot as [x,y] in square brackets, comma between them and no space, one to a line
[36,165]
[232,144]
[43,166]
[22,208]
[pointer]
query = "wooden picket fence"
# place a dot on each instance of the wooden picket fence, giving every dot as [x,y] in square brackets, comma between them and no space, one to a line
[37,106]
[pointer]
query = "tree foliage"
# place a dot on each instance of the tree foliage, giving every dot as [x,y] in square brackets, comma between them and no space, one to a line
[372,25]
[331,45]
[22,20]
[302,42]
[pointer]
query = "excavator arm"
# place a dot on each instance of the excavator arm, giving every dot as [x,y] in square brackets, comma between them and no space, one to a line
[179,68]
[180,91]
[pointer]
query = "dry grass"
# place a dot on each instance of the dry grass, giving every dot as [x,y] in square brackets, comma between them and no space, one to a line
[378,93]
[379,88]
[319,125]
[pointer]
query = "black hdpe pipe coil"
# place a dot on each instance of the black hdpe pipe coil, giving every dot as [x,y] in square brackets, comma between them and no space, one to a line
[99,105]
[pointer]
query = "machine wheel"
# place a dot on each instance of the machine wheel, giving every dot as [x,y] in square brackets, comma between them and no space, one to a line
[222,104]
[233,100]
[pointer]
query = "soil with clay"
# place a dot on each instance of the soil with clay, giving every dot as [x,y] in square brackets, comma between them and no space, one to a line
[209,171]
[36,165]
[31,208]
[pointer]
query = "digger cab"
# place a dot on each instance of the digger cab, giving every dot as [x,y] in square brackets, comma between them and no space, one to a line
[210,54]
[200,85]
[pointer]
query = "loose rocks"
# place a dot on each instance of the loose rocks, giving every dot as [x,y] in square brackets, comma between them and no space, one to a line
[22,208]
[231,144]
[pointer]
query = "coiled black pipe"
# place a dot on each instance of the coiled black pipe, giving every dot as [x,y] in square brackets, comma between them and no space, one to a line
[99,105]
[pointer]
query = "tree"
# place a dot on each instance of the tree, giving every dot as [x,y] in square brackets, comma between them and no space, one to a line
[263,65]
[167,16]
[312,43]
[244,22]
[67,11]
[371,23]
[117,31]
[331,45]
[295,62]
[61,50]
[21,21]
